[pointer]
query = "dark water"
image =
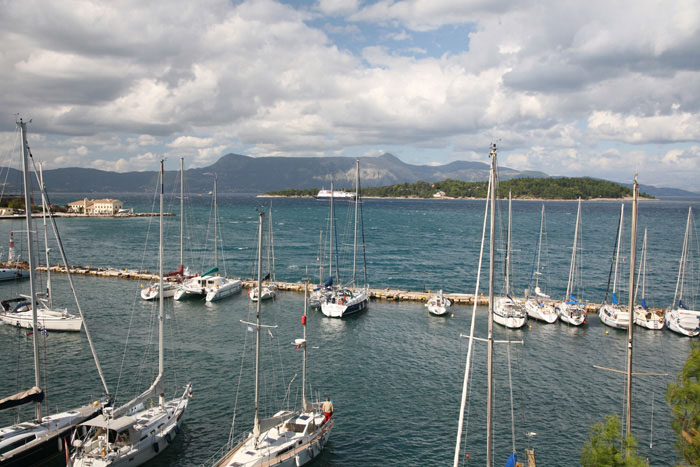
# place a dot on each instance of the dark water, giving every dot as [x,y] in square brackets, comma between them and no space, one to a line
[395,374]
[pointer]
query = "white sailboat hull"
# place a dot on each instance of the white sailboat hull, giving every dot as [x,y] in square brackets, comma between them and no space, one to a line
[8,274]
[614,316]
[268,292]
[343,303]
[48,319]
[571,313]
[648,319]
[437,305]
[156,428]
[152,292]
[509,313]
[211,287]
[225,289]
[684,322]
[280,446]
[541,311]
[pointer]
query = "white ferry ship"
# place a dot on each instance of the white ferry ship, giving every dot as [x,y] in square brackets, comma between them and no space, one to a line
[340,195]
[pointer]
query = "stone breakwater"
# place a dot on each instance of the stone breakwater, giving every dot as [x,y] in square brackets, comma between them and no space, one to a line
[388,294]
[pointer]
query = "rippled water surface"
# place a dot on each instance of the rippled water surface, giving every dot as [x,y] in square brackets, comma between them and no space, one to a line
[394,372]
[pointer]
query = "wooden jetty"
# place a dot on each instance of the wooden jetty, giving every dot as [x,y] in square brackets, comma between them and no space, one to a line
[395,295]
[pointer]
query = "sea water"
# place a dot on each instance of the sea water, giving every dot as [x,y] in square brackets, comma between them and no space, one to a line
[394,372]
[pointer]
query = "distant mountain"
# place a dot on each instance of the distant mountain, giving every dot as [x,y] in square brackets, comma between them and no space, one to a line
[665,192]
[243,174]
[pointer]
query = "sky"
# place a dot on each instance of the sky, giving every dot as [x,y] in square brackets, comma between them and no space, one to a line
[573,88]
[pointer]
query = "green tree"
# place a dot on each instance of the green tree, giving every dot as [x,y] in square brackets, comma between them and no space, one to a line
[684,398]
[607,448]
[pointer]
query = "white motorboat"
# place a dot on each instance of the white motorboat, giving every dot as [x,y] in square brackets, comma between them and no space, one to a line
[684,318]
[135,432]
[572,310]
[152,292]
[334,194]
[613,314]
[438,304]
[288,438]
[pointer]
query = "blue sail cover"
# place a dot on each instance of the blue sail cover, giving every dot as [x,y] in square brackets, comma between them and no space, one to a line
[644,303]
[614,299]
[329,282]
[512,460]
[574,301]
[682,305]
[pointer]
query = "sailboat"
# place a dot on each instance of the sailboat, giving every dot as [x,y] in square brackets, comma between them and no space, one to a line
[346,300]
[572,310]
[269,288]
[172,279]
[536,306]
[288,438]
[437,304]
[512,459]
[508,311]
[210,284]
[135,432]
[682,317]
[44,437]
[613,314]
[18,311]
[10,272]
[643,316]
[322,293]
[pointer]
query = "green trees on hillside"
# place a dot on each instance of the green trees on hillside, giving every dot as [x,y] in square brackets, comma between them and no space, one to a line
[543,188]
[684,398]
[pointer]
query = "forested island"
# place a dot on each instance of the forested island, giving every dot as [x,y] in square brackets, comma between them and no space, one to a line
[522,188]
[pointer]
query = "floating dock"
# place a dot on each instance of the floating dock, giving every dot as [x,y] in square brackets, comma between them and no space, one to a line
[395,295]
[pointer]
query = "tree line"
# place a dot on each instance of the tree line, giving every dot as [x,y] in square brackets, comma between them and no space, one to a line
[541,188]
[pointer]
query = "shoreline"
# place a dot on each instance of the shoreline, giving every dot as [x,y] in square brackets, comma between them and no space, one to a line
[627,198]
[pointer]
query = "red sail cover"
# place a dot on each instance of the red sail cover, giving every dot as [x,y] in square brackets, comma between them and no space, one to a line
[179,272]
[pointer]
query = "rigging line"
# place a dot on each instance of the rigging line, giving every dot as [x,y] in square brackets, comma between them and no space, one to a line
[467,365]
[59,242]
[238,386]
[612,261]
[134,300]
[512,410]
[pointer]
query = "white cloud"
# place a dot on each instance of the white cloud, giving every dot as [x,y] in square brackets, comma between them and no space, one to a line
[114,84]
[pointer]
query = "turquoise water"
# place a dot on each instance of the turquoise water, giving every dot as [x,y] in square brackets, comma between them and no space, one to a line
[394,372]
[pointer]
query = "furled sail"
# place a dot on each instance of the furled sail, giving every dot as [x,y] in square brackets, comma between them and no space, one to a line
[34,394]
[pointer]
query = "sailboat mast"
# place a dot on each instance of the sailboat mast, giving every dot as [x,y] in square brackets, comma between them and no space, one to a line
[216,234]
[182,211]
[256,422]
[46,236]
[354,244]
[161,398]
[678,294]
[304,403]
[30,252]
[320,256]
[619,246]
[539,250]
[508,245]
[489,351]
[330,260]
[467,365]
[572,267]
[630,327]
